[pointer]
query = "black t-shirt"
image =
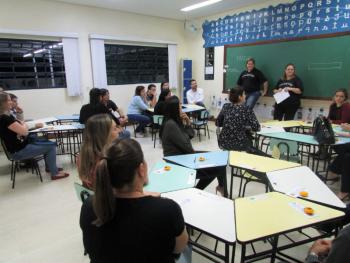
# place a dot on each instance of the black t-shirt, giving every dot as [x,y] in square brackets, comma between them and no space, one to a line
[13,142]
[159,108]
[143,230]
[111,105]
[251,81]
[292,83]
[89,110]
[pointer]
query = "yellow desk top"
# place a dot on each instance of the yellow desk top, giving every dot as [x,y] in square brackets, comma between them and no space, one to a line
[258,163]
[283,124]
[274,213]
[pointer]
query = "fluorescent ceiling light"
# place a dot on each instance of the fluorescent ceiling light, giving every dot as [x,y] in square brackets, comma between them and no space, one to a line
[27,55]
[199,5]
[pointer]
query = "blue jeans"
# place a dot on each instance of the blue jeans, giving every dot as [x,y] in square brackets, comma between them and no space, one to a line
[252,98]
[48,149]
[143,120]
[124,134]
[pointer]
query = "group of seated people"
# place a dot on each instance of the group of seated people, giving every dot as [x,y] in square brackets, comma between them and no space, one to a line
[121,216]
[14,133]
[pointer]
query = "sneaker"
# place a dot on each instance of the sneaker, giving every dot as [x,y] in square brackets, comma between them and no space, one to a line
[140,135]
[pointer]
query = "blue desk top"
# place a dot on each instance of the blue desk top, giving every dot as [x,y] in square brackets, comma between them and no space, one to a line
[302,138]
[211,159]
[176,178]
[73,117]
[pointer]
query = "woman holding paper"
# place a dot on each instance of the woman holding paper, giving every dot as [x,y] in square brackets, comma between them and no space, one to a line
[294,86]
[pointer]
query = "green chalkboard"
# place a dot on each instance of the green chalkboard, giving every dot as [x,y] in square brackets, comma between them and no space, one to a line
[323,64]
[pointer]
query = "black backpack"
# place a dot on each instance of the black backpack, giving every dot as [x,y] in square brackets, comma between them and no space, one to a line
[322,131]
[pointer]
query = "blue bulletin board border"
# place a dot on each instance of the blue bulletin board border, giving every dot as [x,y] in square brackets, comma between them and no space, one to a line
[284,21]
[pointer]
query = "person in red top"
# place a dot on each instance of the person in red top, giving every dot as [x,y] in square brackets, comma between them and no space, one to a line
[339,111]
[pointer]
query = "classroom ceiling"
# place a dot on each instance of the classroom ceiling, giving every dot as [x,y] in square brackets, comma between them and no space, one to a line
[165,8]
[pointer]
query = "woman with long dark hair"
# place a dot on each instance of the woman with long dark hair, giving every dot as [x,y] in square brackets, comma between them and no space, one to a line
[164,95]
[120,223]
[176,141]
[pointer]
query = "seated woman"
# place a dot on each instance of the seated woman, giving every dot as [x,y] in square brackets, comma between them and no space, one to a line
[291,83]
[151,95]
[341,164]
[164,95]
[14,134]
[120,223]
[176,141]
[93,144]
[339,110]
[137,108]
[236,120]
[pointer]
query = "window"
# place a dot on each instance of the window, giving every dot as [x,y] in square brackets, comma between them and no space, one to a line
[31,64]
[136,64]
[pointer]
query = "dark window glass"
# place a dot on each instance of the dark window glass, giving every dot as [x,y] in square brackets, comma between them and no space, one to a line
[136,64]
[24,66]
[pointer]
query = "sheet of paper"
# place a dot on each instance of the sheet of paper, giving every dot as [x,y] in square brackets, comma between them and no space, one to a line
[266,129]
[281,96]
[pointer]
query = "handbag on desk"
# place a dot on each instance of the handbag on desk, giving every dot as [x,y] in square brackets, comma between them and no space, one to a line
[322,131]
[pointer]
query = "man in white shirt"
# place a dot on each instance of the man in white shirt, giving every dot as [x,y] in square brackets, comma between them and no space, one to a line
[195,95]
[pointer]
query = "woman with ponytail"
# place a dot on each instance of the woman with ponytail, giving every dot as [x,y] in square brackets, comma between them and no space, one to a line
[121,223]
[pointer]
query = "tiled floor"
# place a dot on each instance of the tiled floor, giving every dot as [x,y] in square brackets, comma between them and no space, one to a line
[39,222]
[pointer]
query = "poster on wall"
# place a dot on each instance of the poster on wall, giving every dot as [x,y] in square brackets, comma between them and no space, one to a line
[299,19]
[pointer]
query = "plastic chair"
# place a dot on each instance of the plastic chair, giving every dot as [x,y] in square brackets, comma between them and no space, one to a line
[82,192]
[285,150]
[157,122]
[202,124]
[15,164]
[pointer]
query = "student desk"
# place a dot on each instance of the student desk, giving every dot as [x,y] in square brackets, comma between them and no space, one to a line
[42,120]
[210,214]
[187,108]
[193,161]
[72,134]
[67,118]
[255,163]
[304,140]
[176,178]
[283,124]
[273,214]
[292,181]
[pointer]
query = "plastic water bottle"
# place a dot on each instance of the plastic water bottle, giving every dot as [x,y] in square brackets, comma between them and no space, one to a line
[309,116]
[300,113]
[213,102]
[321,112]
[219,103]
[225,101]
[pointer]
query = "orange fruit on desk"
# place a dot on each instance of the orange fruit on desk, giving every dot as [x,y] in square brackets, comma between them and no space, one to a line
[167,168]
[201,159]
[303,194]
[308,211]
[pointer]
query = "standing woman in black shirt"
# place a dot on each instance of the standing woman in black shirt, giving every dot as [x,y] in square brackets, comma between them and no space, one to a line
[120,223]
[251,80]
[14,134]
[291,83]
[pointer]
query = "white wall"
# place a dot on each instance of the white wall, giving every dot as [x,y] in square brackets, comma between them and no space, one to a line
[50,16]
[214,87]
[61,17]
